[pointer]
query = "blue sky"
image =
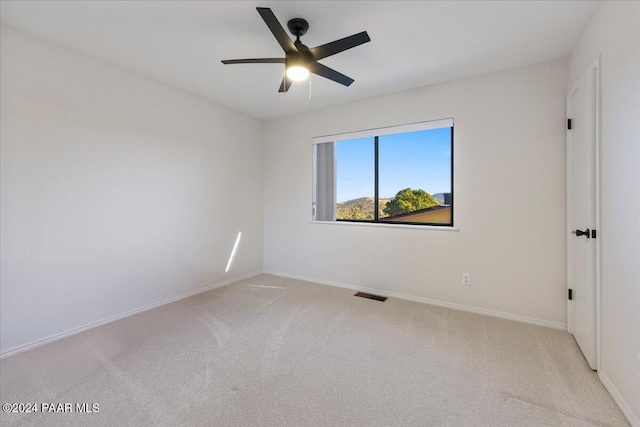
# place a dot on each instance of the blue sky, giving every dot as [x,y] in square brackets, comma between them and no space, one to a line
[419,159]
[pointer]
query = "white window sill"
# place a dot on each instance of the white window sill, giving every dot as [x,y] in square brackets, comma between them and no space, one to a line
[382,225]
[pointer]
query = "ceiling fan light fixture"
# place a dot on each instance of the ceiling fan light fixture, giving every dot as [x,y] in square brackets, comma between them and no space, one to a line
[298,73]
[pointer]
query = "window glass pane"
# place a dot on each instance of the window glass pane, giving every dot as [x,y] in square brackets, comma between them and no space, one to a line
[355,179]
[415,176]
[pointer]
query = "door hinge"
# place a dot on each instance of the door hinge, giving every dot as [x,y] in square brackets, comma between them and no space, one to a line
[570,294]
[569,124]
[593,234]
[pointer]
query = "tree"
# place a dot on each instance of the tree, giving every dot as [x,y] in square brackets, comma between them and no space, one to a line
[409,200]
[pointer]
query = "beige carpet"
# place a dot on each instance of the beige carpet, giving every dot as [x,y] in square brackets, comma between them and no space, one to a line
[270,351]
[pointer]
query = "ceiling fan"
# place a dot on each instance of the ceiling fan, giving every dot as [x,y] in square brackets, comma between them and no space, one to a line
[299,60]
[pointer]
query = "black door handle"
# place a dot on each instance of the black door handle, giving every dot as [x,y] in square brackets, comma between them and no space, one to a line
[582,233]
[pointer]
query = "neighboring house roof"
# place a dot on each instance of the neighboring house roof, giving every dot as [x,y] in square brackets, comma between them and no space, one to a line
[416,213]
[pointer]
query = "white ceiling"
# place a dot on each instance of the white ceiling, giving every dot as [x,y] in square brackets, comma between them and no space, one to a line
[412,44]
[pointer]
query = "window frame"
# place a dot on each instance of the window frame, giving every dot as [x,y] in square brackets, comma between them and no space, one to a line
[376,133]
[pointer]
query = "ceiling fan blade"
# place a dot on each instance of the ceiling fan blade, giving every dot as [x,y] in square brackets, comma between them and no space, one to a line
[338,46]
[286,84]
[278,32]
[254,61]
[330,73]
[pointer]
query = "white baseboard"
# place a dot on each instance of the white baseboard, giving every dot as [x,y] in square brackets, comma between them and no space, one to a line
[430,301]
[617,397]
[38,343]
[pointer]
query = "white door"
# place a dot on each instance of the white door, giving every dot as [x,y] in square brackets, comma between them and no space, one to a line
[581,218]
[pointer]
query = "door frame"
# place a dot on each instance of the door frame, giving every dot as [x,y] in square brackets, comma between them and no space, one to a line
[594,67]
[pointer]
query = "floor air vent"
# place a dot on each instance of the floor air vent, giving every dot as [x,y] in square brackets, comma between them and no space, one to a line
[370,296]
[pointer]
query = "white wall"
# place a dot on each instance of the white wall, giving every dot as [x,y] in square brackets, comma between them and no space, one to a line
[509,197]
[614,33]
[118,191]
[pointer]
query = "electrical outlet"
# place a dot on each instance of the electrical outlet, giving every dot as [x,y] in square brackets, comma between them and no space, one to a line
[304,257]
[466,279]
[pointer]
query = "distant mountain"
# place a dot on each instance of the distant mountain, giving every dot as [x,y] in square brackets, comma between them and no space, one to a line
[359,200]
[360,208]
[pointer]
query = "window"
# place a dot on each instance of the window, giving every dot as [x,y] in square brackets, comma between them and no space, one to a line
[396,175]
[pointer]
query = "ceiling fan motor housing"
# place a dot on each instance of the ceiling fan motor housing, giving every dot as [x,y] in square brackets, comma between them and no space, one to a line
[296,61]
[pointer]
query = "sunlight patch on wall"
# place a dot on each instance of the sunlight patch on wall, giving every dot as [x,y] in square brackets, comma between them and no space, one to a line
[233,252]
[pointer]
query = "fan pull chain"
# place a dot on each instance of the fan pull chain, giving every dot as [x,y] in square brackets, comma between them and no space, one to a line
[310,93]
